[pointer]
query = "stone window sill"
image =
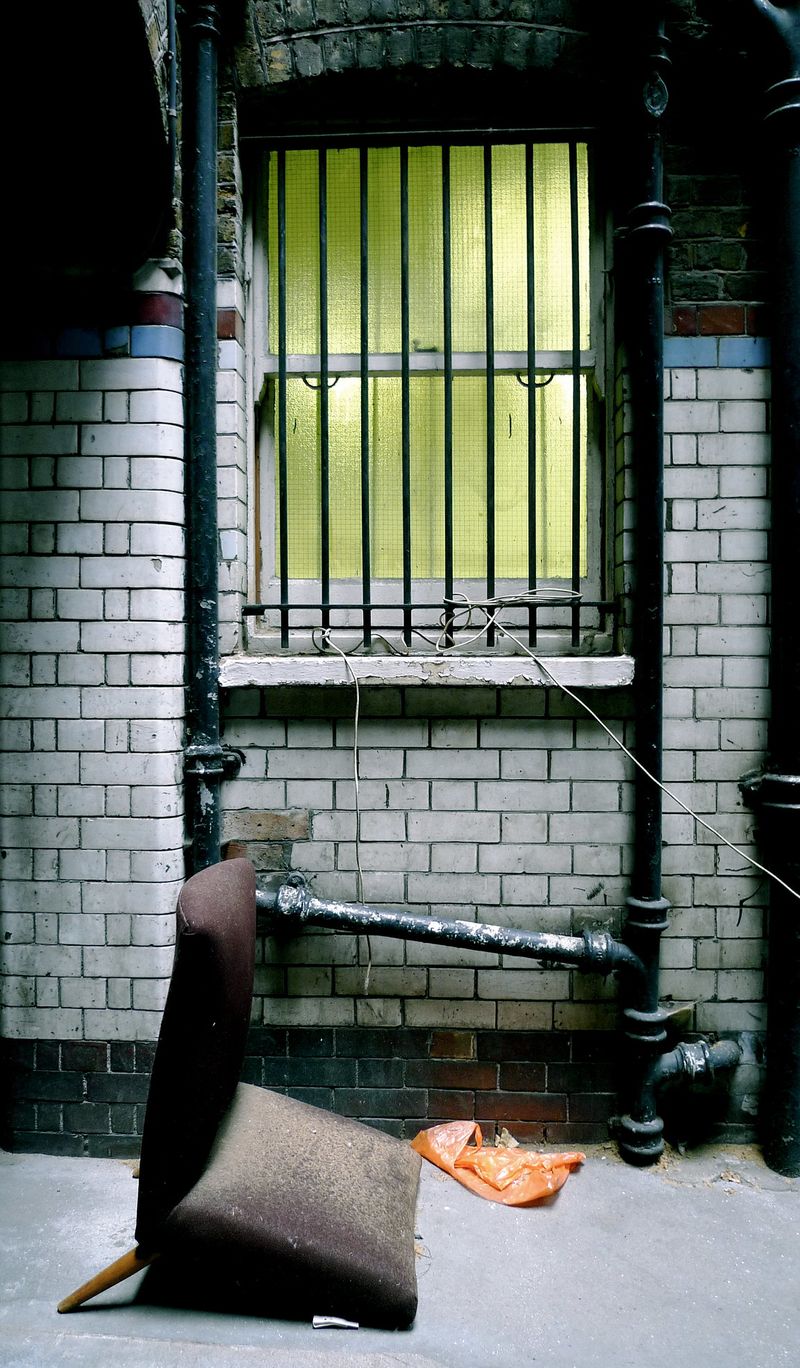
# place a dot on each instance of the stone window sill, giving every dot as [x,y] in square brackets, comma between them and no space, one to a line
[577,672]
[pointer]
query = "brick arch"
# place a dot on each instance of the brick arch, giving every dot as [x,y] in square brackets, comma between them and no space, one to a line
[297,40]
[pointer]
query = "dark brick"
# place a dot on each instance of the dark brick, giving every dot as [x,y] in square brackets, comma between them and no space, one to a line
[315,1097]
[118,1087]
[380,1073]
[19,1054]
[528,1133]
[572,1078]
[121,1057]
[84,1056]
[525,1077]
[758,320]
[447,1073]
[509,1107]
[452,1044]
[261,1041]
[576,1133]
[591,1046]
[310,1044]
[87,1118]
[22,1116]
[48,1055]
[389,1127]
[44,1142]
[380,1101]
[449,1105]
[592,1106]
[253,1071]
[381,1043]
[321,1073]
[123,1119]
[49,1116]
[527,1046]
[112,1147]
[145,1054]
[52,1087]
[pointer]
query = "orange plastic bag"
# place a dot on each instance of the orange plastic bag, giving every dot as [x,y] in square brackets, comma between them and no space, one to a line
[515,1177]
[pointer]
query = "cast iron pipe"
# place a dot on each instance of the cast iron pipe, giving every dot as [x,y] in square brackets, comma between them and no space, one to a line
[293,906]
[648,231]
[778,794]
[204,761]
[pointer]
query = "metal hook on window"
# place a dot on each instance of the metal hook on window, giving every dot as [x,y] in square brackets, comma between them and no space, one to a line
[312,386]
[541,384]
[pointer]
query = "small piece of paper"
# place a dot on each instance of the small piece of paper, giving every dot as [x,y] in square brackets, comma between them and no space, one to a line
[333,1323]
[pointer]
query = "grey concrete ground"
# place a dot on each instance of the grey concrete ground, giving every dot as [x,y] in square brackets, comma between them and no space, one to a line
[695,1262]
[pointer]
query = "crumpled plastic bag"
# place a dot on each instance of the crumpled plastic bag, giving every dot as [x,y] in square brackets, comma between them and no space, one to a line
[515,1177]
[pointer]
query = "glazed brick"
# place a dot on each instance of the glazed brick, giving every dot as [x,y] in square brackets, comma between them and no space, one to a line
[58,1087]
[310,1043]
[49,1117]
[261,1041]
[320,1073]
[33,1142]
[450,1105]
[445,1073]
[87,1118]
[520,1106]
[592,1106]
[380,1101]
[111,1087]
[111,1147]
[123,1119]
[380,1073]
[526,1077]
[48,1055]
[452,1045]
[573,1134]
[379,1043]
[526,1046]
[591,1046]
[574,1078]
[313,1097]
[84,1056]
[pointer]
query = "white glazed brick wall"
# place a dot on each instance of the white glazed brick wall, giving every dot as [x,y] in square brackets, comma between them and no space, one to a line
[232,475]
[510,807]
[92,697]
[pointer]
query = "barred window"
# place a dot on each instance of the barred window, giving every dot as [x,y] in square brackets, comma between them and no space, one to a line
[428,372]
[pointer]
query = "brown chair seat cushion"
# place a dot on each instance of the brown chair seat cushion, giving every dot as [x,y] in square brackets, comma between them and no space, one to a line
[304,1201]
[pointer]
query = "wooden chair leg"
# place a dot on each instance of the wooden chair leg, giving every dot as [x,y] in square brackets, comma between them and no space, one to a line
[116,1272]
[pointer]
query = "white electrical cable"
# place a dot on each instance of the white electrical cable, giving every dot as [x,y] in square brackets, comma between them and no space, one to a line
[490,608]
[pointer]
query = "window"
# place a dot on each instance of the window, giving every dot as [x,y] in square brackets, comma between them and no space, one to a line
[428,387]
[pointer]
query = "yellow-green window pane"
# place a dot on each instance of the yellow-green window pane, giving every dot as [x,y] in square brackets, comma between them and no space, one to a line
[553,479]
[553,246]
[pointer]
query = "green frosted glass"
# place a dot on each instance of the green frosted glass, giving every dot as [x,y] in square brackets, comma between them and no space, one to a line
[553,485]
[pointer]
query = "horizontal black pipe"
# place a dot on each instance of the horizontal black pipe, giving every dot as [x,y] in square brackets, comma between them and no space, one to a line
[293,906]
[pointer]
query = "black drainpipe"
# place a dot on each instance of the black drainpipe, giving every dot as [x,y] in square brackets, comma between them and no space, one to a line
[777,793]
[640,1129]
[206,761]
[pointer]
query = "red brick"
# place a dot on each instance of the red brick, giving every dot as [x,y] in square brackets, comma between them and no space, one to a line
[230,325]
[684,321]
[445,1073]
[591,1106]
[453,1045]
[448,1105]
[716,320]
[522,1077]
[757,320]
[163,309]
[574,1134]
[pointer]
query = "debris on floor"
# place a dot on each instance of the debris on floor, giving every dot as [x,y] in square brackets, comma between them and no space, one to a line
[507,1173]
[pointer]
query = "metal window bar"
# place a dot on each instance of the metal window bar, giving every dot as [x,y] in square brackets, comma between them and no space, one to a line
[324,398]
[405,393]
[283,488]
[490,414]
[531,340]
[576,388]
[329,367]
[366,587]
[447,318]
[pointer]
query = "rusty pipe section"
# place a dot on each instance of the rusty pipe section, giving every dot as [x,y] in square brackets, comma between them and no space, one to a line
[294,906]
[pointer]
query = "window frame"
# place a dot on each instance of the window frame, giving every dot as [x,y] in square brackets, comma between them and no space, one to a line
[550,634]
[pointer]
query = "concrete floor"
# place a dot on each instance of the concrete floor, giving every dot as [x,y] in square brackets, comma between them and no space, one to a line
[696,1261]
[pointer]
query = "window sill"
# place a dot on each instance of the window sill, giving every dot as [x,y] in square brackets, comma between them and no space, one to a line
[577,672]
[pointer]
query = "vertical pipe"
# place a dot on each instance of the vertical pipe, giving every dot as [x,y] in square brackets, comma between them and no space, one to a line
[641,1129]
[366,573]
[490,415]
[531,341]
[324,397]
[447,310]
[575,268]
[204,755]
[405,395]
[283,488]
[778,795]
